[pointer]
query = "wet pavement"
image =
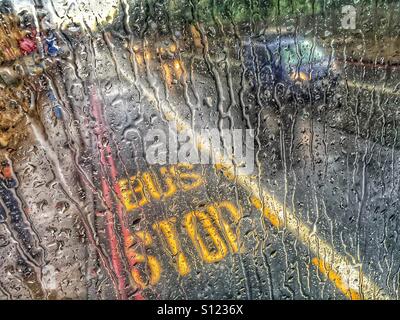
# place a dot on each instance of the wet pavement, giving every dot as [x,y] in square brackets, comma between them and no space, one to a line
[84,215]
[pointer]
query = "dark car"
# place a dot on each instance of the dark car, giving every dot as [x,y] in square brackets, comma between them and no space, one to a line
[291,66]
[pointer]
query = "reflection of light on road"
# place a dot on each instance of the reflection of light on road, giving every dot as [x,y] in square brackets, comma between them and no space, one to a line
[147,55]
[172,48]
[176,65]
[178,69]
[300,76]
[139,59]
[172,71]
[167,73]
[336,279]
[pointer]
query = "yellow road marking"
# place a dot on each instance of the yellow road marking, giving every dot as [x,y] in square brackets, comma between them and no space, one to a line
[151,262]
[167,228]
[215,210]
[352,277]
[268,213]
[191,224]
[336,279]
[146,187]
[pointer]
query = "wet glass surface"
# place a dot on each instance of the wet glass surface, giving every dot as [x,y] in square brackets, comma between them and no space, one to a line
[199,149]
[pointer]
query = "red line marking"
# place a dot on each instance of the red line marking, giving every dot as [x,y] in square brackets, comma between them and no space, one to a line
[107,161]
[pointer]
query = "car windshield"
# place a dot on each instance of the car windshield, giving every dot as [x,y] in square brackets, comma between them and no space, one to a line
[199,149]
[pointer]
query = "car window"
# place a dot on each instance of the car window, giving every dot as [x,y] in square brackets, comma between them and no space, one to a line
[199,149]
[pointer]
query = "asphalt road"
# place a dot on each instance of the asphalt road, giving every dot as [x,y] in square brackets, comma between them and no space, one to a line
[316,219]
[326,171]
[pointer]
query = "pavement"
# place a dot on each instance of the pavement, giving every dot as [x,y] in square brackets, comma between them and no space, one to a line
[316,220]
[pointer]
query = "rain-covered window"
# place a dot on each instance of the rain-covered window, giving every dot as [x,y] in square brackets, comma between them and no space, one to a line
[199,149]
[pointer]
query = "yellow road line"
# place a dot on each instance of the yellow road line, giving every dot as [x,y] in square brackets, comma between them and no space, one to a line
[351,277]
[346,276]
[336,279]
